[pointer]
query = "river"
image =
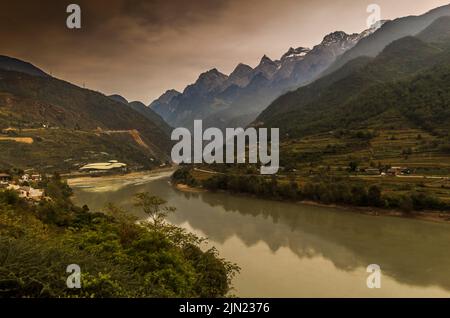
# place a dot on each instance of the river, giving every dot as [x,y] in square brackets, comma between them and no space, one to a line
[294,250]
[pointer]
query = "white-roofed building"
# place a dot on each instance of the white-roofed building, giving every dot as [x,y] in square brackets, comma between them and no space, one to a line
[111,165]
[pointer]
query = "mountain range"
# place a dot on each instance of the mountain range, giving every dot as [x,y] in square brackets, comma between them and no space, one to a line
[236,100]
[393,74]
[405,85]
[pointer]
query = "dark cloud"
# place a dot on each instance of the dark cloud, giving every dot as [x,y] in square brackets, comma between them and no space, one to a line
[139,48]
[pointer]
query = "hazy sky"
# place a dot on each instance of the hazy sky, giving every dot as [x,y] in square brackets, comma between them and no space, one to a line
[140,48]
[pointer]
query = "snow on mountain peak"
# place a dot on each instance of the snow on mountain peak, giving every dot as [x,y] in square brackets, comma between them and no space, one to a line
[296,53]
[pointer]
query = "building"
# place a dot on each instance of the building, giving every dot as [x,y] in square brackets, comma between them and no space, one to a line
[4,177]
[395,171]
[373,171]
[27,192]
[36,177]
[25,178]
[104,167]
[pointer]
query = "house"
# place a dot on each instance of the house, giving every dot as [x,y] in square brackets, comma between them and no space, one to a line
[30,177]
[8,131]
[395,171]
[4,177]
[27,192]
[36,177]
[373,171]
[25,178]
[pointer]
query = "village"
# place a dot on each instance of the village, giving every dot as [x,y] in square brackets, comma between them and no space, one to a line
[26,185]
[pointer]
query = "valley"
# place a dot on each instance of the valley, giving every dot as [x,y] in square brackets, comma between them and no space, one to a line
[317,251]
[283,177]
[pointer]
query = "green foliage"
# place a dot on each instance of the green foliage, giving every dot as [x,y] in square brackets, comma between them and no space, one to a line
[184,176]
[118,256]
[332,191]
[154,207]
[65,150]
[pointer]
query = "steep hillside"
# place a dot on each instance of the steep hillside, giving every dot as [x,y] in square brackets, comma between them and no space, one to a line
[148,113]
[29,101]
[391,31]
[11,64]
[68,125]
[322,107]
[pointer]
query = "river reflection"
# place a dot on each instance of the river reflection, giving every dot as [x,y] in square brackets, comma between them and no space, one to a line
[291,250]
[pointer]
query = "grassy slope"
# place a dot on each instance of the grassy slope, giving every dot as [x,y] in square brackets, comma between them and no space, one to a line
[29,102]
[63,150]
[319,107]
[76,117]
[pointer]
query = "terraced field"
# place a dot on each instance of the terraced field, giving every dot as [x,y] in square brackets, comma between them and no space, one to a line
[326,157]
[65,150]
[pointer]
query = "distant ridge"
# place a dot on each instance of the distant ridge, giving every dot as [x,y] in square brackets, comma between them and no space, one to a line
[12,64]
[118,98]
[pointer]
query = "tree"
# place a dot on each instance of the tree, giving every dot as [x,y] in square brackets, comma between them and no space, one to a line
[374,196]
[154,207]
[353,166]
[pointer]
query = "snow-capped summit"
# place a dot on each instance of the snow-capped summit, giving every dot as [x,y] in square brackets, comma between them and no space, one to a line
[372,29]
[295,53]
[248,90]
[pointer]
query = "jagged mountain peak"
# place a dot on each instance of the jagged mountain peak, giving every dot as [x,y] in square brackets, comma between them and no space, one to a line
[207,82]
[241,68]
[212,75]
[295,53]
[337,37]
[241,75]
[377,25]
[168,96]
[171,92]
[267,67]
[266,60]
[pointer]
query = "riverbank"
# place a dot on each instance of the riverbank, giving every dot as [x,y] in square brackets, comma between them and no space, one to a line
[146,176]
[314,246]
[430,216]
[132,176]
[186,188]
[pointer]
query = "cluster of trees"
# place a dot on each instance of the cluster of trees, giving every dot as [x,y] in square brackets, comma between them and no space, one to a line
[118,256]
[184,176]
[357,134]
[339,191]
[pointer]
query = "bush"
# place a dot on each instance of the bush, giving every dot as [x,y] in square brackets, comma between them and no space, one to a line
[117,256]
